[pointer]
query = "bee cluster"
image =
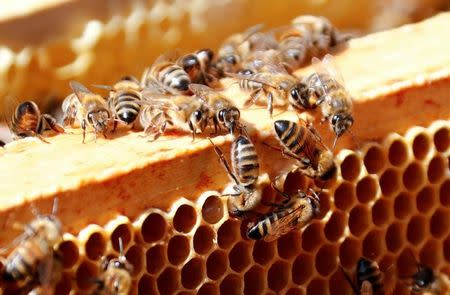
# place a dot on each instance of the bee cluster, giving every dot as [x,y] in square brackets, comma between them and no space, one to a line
[182,92]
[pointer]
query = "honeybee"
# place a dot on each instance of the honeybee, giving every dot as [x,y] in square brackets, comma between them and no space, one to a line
[116,276]
[223,111]
[33,256]
[87,108]
[198,66]
[294,43]
[27,120]
[292,213]
[123,101]
[166,76]
[302,142]
[368,278]
[245,194]
[267,76]
[325,88]
[186,113]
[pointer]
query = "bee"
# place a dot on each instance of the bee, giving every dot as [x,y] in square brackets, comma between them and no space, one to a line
[368,278]
[34,253]
[292,213]
[198,66]
[325,88]
[123,101]
[116,276]
[223,111]
[294,42]
[268,77]
[166,76]
[302,142]
[27,120]
[244,172]
[87,108]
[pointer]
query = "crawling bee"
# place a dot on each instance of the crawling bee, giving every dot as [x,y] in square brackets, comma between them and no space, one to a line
[116,276]
[198,66]
[368,278]
[27,120]
[87,108]
[302,142]
[244,172]
[124,100]
[292,213]
[223,112]
[166,76]
[294,43]
[33,256]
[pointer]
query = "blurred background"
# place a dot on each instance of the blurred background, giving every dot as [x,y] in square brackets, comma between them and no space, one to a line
[46,43]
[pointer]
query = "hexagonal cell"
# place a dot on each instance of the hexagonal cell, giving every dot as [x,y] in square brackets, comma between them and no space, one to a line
[216,264]
[123,231]
[69,252]
[351,167]
[178,249]
[344,196]
[312,236]
[278,276]
[395,236]
[337,284]
[228,233]
[442,139]
[335,226]
[359,220]
[375,159]
[414,176]
[254,280]
[64,285]
[325,204]
[240,256]
[135,256]
[406,262]
[417,229]
[317,287]
[440,223]
[231,284]
[185,218]
[147,285]
[84,274]
[208,289]
[95,246]
[295,291]
[431,254]
[366,189]
[437,168]
[289,245]
[153,228]
[426,199]
[446,248]
[421,146]
[156,259]
[404,205]
[192,273]
[373,244]
[294,181]
[398,152]
[444,193]
[390,182]
[167,281]
[204,239]
[326,259]
[302,268]
[349,252]
[263,251]
[382,212]
[212,209]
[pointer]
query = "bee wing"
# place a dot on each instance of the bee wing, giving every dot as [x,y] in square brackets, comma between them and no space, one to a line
[45,269]
[285,224]
[265,80]
[106,87]
[327,66]
[79,89]
[268,61]
[251,31]
[150,97]
[201,91]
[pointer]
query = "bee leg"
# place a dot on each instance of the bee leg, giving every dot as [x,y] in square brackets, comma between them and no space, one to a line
[281,193]
[51,122]
[270,103]
[224,162]
[83,126]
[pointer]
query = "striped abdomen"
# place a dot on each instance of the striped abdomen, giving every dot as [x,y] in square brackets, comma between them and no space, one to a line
[26,119]
[263,227]
[367,270]
[250,83]
[245,161]
[23,262]
[173,77]
[125,104]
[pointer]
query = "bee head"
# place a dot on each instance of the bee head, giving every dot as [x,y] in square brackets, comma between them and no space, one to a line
[423,278]
[190,64]
[99,120]
[341,123]
[199,119]
[50,227]
[229,118]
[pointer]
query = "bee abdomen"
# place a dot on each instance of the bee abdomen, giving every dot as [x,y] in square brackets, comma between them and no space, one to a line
[175,77]
[245,160]
[292,135]
[127,107]
[368,271]
[259,230]
[24,260]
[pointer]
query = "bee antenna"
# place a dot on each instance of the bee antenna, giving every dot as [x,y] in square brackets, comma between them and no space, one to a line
[316,195]
[120,246]
[55,206]
[334,142]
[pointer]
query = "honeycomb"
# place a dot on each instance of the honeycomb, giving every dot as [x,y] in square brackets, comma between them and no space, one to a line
[388,199]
